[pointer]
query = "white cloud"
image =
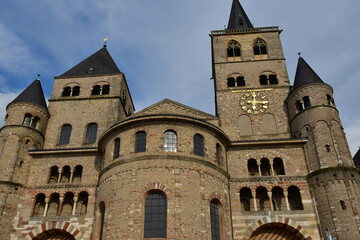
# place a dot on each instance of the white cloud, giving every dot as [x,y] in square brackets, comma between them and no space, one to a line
[5,99]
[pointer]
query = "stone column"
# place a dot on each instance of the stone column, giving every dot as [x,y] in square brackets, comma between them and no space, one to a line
[253,192]
[47,200]
[59,177]
[287,200]
[271,203]
[71,175]
[74,207]
[259,170]
[60,206]
[272,168]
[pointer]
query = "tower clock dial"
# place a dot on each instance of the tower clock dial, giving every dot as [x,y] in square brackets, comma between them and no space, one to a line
[253,103]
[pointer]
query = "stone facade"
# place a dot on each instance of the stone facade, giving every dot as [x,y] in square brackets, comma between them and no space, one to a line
[267,165]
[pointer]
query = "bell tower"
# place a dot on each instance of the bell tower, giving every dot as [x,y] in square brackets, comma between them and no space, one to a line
[250,79]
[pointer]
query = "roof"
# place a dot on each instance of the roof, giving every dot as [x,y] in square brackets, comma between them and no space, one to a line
[356,159]
[101,62]
[305,75]
[238,18]
[32,94]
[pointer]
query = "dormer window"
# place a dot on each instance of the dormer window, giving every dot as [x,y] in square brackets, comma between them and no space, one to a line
[91,71]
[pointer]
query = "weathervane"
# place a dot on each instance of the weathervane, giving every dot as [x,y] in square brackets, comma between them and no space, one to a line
[105,41]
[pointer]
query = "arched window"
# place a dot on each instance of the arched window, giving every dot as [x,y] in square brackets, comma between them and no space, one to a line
[27,119]
[140,142]
[299,105]
[155,215]
[77,174]
[343,205]
[65,134]
[233,49]
[231,82]
[307,102]
[34,122]
[76,91]
[263,80]
[253,168]
[265,167]
[170,141]
[53,205]
[54,174]
[81,207]
[116,153]
[279,166]
[278,198]
[102,218]
[245,199]
[240,81]
[66,92]
[96,90]
[260,47]
[273,79]
[263,199]
[91,132]
[215,219]
[67,204]
[294,197]
[105,89]
[39,206]
[199,145]
[65,174]
[330,100]
[218,153]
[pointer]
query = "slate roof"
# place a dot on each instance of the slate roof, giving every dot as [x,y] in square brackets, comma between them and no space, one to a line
[356,159]
[32,94]
[101,62]
[238,18]
[305,75]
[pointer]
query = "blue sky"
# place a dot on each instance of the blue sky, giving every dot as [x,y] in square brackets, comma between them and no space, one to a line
[163,46]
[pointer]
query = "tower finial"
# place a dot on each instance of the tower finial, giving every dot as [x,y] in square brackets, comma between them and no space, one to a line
[38,76]
[105,41]
[299,53]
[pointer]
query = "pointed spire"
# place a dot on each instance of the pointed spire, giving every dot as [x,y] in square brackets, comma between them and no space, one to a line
[32,94]
[99,63]
[238,18]
[305,74]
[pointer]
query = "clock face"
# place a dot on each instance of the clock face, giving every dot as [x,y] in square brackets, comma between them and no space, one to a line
[253,103]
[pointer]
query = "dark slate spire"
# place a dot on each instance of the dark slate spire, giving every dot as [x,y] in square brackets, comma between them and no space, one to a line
[99,63]
[305,75]
[357,159]
[238,18]
[32,94]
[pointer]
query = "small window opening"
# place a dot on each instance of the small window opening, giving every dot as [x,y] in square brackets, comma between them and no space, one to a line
[116,153]
[273,79]
[91,71]
[343,205]
[328,148]
[231,82]
[76,91]
[27,119]
[199,145]
[96,90]
[299,105]
[263,80]
[240,81]
[218,153]
[105,89]
[34,122]
[307,102]
[66,92]
[21,163]
[140,142]
[330,100]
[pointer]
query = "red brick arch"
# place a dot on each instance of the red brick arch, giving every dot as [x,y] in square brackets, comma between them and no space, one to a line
[46,226]
[282,220]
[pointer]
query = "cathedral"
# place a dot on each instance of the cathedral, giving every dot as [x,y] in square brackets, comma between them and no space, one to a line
[272,163]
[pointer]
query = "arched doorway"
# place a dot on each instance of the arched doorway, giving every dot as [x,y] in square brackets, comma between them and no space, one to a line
[54,234]
[276,231]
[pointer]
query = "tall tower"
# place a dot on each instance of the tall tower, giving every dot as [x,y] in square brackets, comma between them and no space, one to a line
[250,79]
[25,124]
[332,176]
